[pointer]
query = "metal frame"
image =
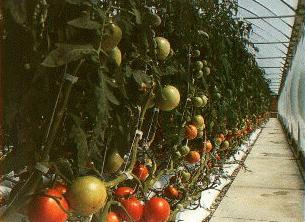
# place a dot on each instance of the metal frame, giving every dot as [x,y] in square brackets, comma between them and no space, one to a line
[263,19]
[272,12]
[297,26]
[277,78]
[289,6]
[262,43]
[272,57]
[271,17]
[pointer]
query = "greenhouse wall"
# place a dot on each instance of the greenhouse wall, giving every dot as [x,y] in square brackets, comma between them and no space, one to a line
[291,104]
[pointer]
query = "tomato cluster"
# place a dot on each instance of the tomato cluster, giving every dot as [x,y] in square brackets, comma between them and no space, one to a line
[138,92]
[154,210]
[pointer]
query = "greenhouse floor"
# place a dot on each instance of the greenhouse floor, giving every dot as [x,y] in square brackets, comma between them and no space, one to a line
[272,190]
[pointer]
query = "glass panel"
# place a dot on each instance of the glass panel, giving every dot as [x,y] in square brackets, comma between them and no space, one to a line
[270,30]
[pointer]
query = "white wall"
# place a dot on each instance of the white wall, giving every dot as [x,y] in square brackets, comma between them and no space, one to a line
[291,103]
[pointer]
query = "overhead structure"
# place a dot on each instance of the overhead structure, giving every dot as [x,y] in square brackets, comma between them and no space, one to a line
[276,27]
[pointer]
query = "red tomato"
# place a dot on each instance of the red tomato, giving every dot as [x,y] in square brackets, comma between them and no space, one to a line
[207,146]
[218,157]
[112,217]
[124,192]
[156,209]
[46,209]
[249,129]
[229,137]
[222,136]
[193,157]
[171,192]
[141,172]
[190,132]
[134,207]
[62,188]
[210,164]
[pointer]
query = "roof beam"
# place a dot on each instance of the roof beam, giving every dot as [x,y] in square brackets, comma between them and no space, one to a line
[267,43]
[263,37]
[271,17]
[275,81]
[271,43]
[272,12]
[272,74]
[260,17]
[296,30]
[289,6]
[272,57]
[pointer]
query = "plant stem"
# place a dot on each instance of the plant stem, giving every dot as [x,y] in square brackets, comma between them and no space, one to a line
[36,177]
[134,149]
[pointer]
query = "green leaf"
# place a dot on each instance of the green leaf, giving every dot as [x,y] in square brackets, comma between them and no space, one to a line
[75,2]
[66,53]
[18,10]
[170,70]
[136,11]
[104,96]
[79,140]
[65,168]
[84,22]
[138,16]
[128,72]
[121,82]
[141,77]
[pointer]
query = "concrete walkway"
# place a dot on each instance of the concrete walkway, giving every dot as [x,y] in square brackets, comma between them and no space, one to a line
[273,191]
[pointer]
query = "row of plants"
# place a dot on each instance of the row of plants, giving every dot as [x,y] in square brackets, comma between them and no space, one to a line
[120,96]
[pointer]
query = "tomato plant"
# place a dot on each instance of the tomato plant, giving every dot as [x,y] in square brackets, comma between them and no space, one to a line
[111,84]
[48,207]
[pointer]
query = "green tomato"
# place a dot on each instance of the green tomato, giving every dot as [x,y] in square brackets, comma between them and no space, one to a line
[177,154]
[184,150]
[169,98]
[204,100]
[207,70]
[218,95]
[113,162]
[198,65]
[87,195]
[198,121]
[200,134]
[185,176]
[115,55]
[197,101]
[163,48]
[199,74]
[196,53]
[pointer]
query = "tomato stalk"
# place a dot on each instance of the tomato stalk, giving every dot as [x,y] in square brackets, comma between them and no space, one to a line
[103,215]
[134,148]
[188,84]
[35,179]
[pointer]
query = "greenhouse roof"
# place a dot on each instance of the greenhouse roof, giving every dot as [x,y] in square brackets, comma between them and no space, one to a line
[275,25]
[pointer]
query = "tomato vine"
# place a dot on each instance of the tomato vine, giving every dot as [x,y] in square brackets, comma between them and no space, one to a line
[119,89]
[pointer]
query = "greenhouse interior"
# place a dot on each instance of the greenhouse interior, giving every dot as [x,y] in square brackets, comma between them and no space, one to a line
[152,110]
